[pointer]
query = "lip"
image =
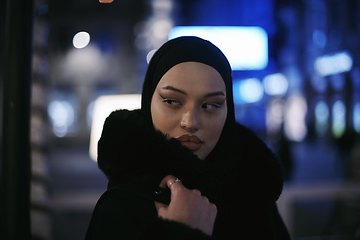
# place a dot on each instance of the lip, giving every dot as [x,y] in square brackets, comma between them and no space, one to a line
[192,142]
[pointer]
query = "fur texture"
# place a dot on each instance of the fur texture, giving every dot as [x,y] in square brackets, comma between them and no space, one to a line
[241,176]
[131,150]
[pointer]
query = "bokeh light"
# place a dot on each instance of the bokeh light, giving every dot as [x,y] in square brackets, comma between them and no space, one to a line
[356,117]
[294,123]
[62,116]
[333,64]
[321,118]
[150,55]
[338,118]
[275,84]
[81,39]
[275,115]
[248,91]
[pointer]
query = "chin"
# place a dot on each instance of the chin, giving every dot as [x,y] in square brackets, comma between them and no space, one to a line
[200,155]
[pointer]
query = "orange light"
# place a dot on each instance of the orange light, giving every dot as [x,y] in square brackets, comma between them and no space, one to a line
[106,1]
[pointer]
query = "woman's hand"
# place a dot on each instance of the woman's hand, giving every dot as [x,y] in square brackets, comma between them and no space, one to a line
[187,207]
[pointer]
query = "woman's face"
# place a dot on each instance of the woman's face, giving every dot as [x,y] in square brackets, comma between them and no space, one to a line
[189,104]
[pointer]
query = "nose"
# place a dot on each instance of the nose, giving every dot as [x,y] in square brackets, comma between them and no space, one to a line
[190,121]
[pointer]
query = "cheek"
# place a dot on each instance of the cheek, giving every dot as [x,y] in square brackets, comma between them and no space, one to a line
[213,131]
[161,117]
[215,126]
[157,115]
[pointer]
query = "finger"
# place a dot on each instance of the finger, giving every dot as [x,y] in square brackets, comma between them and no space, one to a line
[170,182]
[159,205]
[175,185]
[164,182]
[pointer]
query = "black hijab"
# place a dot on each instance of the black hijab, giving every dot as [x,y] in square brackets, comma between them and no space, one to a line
[188,49]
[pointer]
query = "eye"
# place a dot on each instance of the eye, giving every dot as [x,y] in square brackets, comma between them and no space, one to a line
[171,102]
[211,106]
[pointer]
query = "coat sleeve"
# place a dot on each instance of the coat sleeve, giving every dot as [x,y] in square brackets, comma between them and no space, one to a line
[123,215]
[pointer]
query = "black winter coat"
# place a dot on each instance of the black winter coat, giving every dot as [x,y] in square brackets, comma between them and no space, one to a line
[243,179]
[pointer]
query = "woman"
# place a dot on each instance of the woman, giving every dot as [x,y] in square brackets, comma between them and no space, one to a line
[181,167]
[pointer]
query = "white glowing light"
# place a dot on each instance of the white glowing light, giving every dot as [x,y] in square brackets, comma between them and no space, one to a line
[81,40]
[275,84]
[62,116]
[88,63]
[104,105]
[294,123]
[333,64]
[161,28]
[150,55]
[248,91]
[275,115]
[246,48]
[338,118]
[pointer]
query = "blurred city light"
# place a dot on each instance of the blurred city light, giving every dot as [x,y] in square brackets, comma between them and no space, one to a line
[356,117]
[161,28]
[338,118]
[333,64]
[88,63]
[294,123]
[161,7]
[248,91]
[62,117]
[150,55]
[275,84]
[319,38]
[321,118]
[275,115]
[81,40]
[104,105]
[245,47]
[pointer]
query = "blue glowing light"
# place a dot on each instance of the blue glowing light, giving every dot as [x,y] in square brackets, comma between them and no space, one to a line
[62,117]
[333,64]
[356,117]
[246,48]
[319,38]
[248,91]
[275,84]
[322,117]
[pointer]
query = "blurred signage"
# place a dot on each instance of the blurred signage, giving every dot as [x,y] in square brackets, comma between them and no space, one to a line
[246,48]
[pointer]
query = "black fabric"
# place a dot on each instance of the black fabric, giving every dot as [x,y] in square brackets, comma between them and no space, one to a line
[244,183]
[188,49]
[136,219]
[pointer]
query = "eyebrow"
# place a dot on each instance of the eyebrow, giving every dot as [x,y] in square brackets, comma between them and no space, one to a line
[213,94]
[171,88]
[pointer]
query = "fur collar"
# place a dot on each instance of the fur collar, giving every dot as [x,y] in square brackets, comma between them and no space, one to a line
[130,150]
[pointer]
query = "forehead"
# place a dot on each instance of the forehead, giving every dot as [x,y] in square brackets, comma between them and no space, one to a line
[193,76]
